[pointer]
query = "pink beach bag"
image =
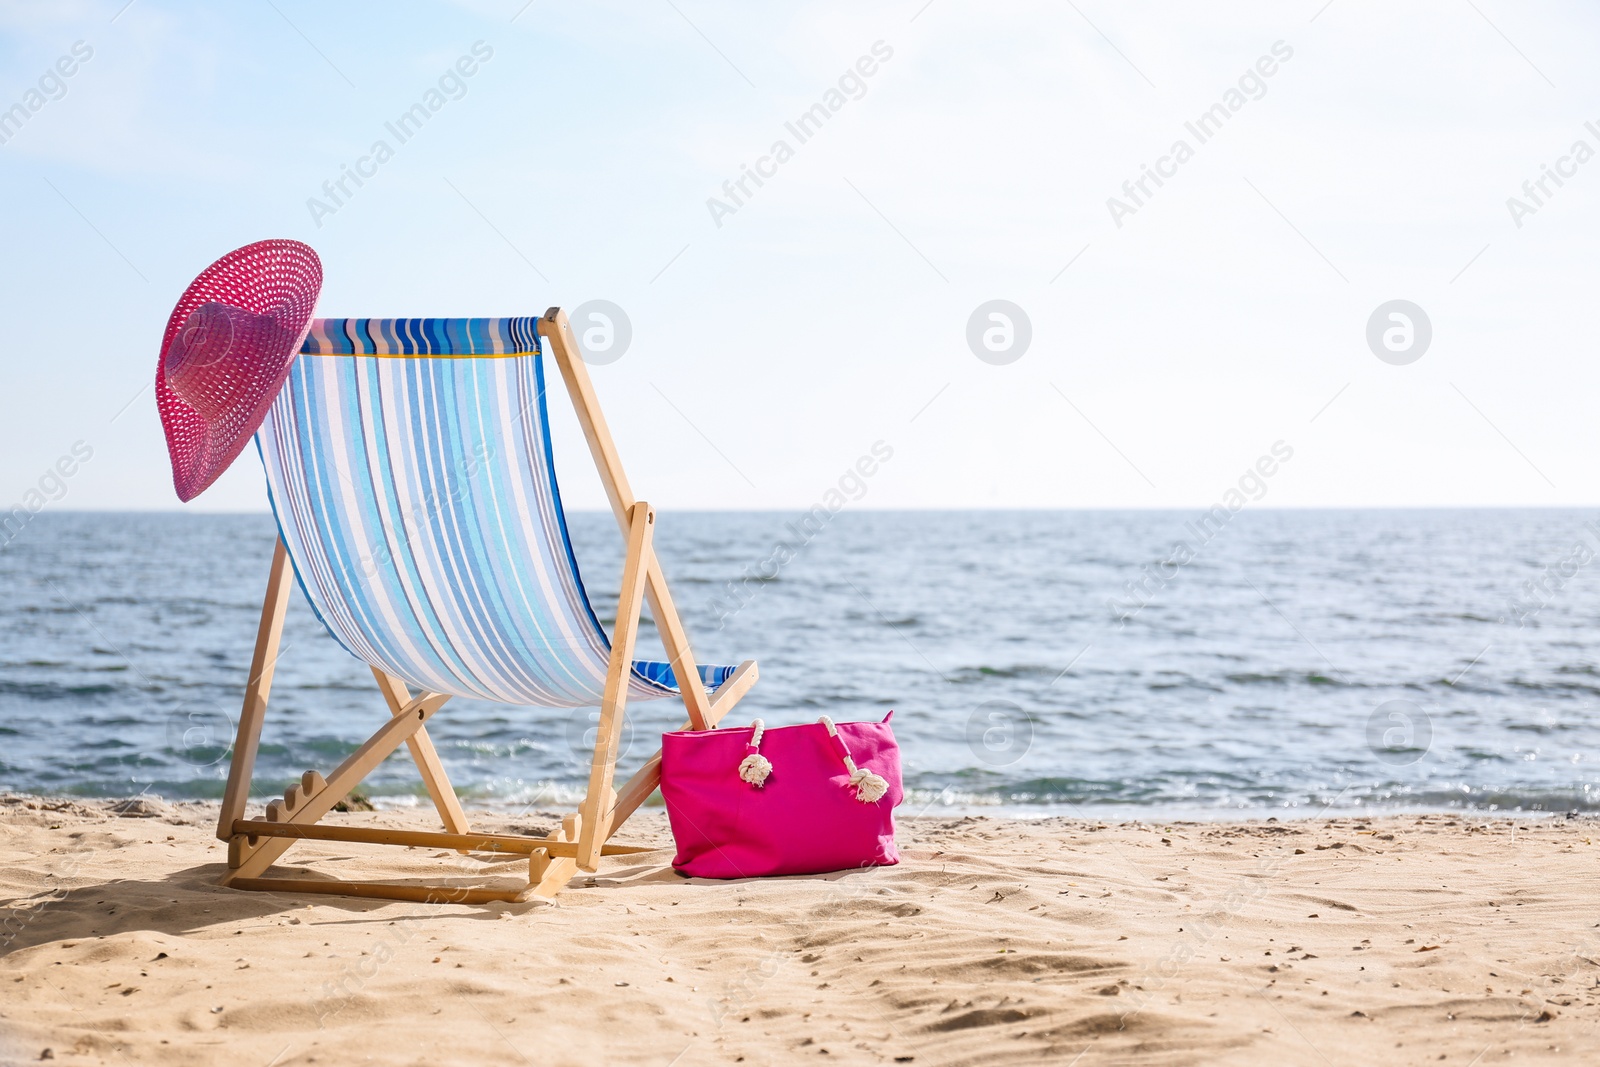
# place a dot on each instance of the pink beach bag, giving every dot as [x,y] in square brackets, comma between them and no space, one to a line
[801,799]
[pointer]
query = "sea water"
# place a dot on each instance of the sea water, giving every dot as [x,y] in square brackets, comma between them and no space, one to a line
[1287,662]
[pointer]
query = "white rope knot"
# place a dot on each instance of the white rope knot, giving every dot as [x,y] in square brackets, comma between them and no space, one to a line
[870,787]
[755,767]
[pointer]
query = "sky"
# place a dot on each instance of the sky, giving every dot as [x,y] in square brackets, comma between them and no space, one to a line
[1357,154]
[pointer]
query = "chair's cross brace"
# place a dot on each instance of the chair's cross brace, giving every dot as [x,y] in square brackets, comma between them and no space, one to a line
[356,766]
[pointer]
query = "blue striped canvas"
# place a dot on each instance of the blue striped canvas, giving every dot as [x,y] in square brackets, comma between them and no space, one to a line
[408,463]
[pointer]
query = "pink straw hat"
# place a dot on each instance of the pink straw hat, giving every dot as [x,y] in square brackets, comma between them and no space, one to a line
[227,350]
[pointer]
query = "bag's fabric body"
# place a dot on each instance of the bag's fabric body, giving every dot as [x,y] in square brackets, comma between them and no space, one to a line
[805,817]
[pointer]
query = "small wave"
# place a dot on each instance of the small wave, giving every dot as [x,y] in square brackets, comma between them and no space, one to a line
[918,801]
[1554,687]
[390,801]
[1586,669]
[1185,682]
[312,749]
[324,687]
[962,675]
[1284,678]
[120,789]
[504,793]
[105,743]
[54,690]
[494,750]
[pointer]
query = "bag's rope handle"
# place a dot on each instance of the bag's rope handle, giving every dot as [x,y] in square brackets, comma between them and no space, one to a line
[754,768]
[869,787]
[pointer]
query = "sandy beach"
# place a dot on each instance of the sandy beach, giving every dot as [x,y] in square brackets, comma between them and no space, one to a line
[1397,940]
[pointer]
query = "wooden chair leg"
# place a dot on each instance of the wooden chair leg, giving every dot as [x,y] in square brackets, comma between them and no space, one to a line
[597,801]
[258,685]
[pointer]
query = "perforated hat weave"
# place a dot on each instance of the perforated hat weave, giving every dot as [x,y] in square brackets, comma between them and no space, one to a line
[228,348]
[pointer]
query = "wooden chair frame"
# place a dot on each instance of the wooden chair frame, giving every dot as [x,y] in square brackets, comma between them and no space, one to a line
[255,844]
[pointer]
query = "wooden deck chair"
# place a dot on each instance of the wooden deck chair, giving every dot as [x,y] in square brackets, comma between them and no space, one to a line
[410,469]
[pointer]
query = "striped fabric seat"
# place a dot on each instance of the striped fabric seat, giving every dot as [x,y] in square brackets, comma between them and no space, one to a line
[409,466]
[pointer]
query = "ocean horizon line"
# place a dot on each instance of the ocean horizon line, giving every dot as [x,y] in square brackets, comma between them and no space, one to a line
[927,510]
